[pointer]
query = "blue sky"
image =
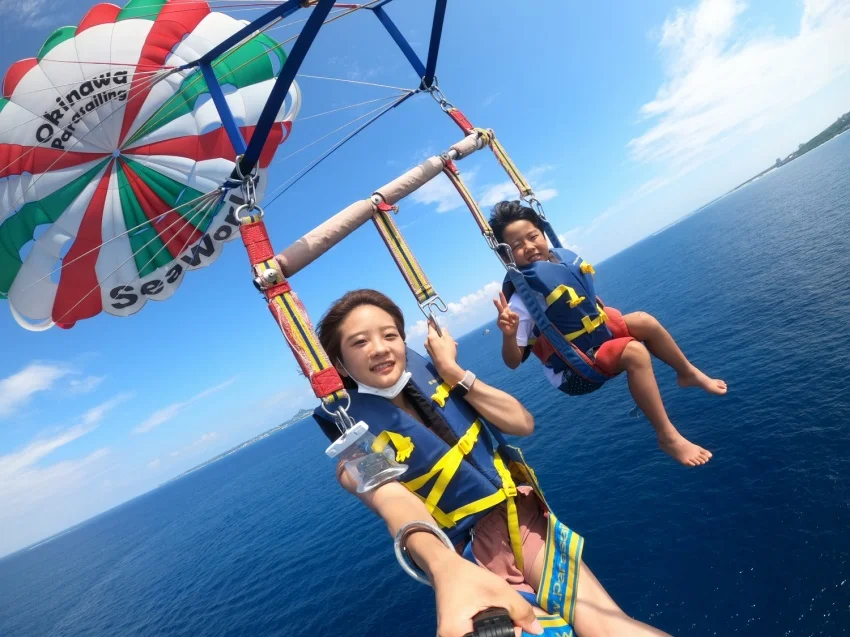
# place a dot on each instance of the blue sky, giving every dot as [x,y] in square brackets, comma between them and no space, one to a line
[623,117]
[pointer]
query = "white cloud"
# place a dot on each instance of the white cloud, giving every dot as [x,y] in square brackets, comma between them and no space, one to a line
[204,440]
[495,193]
[174,454]
[85,385]
[490,99]
[720,87]
[440,191]
[473,302]
[17,390]
[506,190]
[29,13]
[466,313]
[153,464]
[167,413]
[98,412]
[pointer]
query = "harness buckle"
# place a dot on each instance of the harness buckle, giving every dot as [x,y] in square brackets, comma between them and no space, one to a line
[465,444]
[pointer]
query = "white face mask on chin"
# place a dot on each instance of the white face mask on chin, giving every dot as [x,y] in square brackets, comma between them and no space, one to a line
[388,392]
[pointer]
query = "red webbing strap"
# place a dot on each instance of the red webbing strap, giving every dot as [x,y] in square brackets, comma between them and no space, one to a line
[257,243]
[460,119]
[290,314]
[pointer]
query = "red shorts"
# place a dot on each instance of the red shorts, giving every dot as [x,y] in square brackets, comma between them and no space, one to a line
[609,353]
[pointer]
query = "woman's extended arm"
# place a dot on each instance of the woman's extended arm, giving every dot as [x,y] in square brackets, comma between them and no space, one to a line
[462,589]
[500,408]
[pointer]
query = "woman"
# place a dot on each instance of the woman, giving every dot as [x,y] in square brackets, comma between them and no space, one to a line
[363,333]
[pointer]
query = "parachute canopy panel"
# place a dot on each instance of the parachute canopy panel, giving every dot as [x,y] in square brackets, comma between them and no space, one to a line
[112,157]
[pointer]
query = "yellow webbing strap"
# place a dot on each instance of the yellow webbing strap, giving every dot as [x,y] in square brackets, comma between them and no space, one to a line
[446,467]
[298,331]
[509,489]
[559,291]
[502,157]
[586,268]
[589,324]
[403,444]
[403,256]
[453,174]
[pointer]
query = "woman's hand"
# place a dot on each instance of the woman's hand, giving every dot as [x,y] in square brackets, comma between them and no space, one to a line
[464,589]
[442,349]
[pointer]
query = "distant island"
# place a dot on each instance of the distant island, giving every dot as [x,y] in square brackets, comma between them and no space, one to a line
[840,125]
[303,413]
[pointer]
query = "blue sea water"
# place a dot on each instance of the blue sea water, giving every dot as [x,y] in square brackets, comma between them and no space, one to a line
[754,288]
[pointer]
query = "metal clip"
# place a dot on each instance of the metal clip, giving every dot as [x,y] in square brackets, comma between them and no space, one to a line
[535,204]
[439,96]
[427,308]
[254,213]
[343,421]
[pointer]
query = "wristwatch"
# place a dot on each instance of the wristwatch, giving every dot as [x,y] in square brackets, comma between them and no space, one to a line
[464,384]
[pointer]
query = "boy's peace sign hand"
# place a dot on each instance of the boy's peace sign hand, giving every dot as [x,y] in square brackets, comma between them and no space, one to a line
[508,320]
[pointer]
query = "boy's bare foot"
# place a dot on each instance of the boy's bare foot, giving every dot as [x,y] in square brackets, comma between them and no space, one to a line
[698,379]
[684,451]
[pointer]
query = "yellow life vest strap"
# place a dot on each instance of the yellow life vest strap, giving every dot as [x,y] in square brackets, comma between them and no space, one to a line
[559,291]
[589,324]
[403,444]
[446,467]
[509,489]
[441,394]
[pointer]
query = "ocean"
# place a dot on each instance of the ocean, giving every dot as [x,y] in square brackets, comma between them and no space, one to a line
[757,542]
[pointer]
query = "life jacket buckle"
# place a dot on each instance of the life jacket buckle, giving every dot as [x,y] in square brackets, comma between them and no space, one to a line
[465,444]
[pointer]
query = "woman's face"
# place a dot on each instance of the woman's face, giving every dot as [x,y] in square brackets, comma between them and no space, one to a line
[372,349]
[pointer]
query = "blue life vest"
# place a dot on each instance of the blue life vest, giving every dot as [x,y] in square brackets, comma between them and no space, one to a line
[571,328]
[461,482]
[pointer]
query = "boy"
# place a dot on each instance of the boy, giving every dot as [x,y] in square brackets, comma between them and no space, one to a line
[624,344]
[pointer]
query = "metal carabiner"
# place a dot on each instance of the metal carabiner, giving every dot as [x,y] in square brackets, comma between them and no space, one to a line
[439,96]
[535,204]
[427,308]
[343,421]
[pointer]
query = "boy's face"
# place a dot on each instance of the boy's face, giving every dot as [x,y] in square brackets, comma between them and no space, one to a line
[527,242]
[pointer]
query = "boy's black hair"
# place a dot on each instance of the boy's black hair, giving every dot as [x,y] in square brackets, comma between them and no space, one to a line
[506,212]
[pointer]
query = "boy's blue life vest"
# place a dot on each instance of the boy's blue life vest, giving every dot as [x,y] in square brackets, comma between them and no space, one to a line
[459,483]
[571,328]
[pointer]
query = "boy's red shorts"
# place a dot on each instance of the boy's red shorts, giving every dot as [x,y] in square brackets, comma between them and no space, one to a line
[609,353]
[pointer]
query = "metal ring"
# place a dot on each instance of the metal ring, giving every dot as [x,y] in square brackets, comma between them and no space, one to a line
[509,261]
[343,421]
[400,547]
[255,211]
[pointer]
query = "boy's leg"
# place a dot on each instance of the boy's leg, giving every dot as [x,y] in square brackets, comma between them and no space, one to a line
[645,327]
[637,363]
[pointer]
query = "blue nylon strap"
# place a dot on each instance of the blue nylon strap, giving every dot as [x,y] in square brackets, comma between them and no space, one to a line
[550,232]
[434,46]
[224,112]
[285,9]
[552,334]
[400,41]
[564,630]
[282,84]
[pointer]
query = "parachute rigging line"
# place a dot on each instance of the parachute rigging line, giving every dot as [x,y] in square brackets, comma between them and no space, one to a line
[214,194]
[206,207]
[15,203]
[343,108]
[305,171]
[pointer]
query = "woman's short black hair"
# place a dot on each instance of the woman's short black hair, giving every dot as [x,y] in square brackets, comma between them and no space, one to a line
[506,212]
